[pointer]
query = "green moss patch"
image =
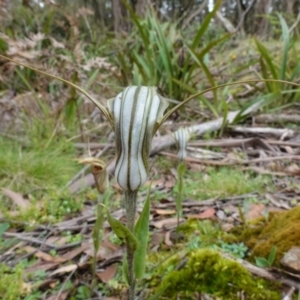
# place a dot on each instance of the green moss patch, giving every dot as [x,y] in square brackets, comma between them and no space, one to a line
[280,229]
[206,271]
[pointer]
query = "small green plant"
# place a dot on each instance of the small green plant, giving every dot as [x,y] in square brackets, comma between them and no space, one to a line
[4,244]
[267,262]
[280,94]
[239,249]
[181,136]
[12,285]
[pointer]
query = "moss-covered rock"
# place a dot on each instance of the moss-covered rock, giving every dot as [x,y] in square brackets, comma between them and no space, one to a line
[206,271]
[280,229]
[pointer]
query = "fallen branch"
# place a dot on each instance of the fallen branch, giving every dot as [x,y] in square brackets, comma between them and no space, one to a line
[268,118]
[281,133]
[234,162]
[249,142]
[264,273]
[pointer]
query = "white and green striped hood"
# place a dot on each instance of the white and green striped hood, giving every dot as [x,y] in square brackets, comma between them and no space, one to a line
[136,113]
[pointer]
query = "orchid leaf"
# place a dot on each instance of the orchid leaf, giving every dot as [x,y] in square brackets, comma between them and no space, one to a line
[141,232]
[123,233]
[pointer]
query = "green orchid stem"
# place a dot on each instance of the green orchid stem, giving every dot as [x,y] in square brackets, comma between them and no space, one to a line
[130,206]
[179,197]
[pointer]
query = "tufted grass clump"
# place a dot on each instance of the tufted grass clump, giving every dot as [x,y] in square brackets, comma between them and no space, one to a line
[28,167]
[223,182]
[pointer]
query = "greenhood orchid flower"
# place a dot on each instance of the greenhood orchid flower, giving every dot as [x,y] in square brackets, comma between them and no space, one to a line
[136,114]
[182,136]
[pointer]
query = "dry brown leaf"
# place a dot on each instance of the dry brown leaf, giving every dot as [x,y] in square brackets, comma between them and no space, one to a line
[255,211]
[108,274]
[73,253]
[64,269]
[107,244]
[41,266]
[168,241]
[157,238]
[293,169]
[102,253]
[16,198]
[57,240]
[165,212]
[165,223]
[62,296]
[207,214]
[289,149]
[44,256]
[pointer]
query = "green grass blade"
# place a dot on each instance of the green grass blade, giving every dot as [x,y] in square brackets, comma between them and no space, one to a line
[212,44]
[286,46]
[272,255]
[264,52]
[205,25]
[142,31]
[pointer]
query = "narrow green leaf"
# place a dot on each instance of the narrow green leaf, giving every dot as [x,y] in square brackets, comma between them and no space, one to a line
[205,25]
[225,115]
[264,52]
[199,61]
[286,46]
[141,29]
[212,44]
[261,262]
[122,232]
[272,255]
[265,75]
[3,228]
[125,271]
[141,232]
[158,293]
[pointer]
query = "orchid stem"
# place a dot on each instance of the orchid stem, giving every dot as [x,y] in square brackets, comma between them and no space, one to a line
[130,206]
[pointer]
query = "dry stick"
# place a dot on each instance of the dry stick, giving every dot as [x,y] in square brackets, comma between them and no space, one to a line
[279,132]
[39,242]
[268,118]
[263,273]
[242,162]
[240,143]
